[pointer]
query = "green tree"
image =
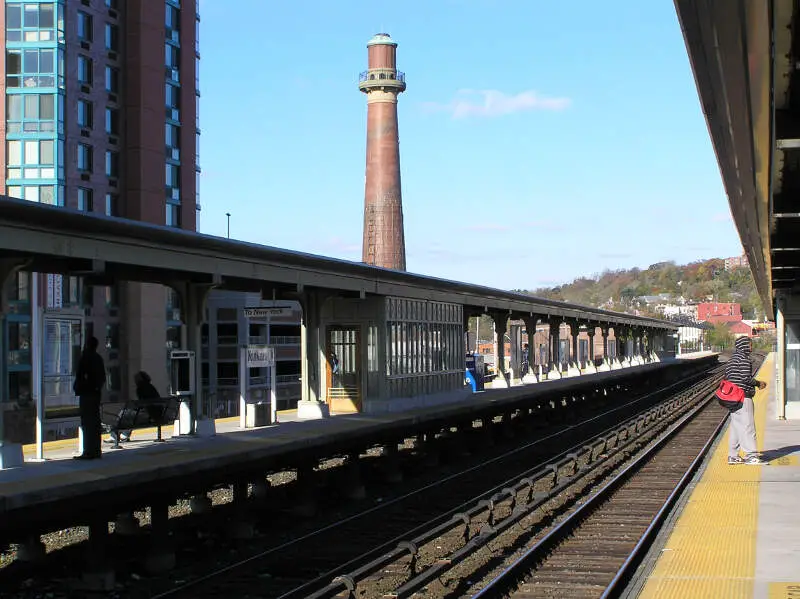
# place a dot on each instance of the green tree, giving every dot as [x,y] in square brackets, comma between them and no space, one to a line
[720,337]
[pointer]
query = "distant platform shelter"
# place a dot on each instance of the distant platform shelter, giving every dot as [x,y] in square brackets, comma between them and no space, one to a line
[390,353]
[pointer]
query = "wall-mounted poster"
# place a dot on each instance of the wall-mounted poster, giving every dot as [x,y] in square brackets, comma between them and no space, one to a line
[61,350]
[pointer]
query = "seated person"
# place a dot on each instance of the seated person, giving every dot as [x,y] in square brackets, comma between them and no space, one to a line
[145,391]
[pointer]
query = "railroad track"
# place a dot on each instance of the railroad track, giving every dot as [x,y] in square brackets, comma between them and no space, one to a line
[595,551]
[587,553]
[297,568]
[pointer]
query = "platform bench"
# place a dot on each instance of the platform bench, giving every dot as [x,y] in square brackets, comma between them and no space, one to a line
[133,415]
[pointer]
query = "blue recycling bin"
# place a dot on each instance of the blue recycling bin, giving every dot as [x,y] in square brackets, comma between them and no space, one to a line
[476,370]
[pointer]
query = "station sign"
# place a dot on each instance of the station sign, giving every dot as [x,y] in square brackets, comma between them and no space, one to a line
[267,312]
[260,356]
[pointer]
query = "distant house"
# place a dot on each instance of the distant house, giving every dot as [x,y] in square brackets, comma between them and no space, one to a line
[739,329]
[719,312]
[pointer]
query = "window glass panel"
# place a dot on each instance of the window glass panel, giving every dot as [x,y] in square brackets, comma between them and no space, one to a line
[46,16]
[46,105]
[112,80]
[111,205]
[30,61]
[14,107]
[13,16]
[15,152]
[31,15]
[31,193]
[31,152]
[47,195]
[47,147]
[13,62]
[31,107]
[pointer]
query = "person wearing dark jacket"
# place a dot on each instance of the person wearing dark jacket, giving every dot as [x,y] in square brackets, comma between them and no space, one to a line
[742,434]
[89,381]
[145,391]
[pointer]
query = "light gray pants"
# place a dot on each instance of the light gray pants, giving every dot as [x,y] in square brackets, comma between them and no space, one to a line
[742,430]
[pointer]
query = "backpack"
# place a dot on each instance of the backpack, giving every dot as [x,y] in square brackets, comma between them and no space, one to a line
[729,395]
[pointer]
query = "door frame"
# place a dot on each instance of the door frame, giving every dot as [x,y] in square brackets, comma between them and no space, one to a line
[345,403]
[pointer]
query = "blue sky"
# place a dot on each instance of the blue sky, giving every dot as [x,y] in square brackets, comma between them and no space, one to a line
[539,140]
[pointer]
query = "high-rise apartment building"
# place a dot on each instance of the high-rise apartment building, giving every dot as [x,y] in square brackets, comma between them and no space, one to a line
[100,114]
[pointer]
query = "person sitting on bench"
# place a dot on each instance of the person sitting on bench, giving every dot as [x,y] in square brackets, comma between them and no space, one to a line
[145,391]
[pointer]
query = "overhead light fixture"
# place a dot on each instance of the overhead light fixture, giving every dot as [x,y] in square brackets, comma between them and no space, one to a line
[788,144]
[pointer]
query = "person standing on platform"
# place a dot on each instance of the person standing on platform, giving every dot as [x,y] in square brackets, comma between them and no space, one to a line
[523,370]
[89,381]
[742,433]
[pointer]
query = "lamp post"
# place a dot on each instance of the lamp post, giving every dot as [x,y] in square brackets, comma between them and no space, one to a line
[228,214]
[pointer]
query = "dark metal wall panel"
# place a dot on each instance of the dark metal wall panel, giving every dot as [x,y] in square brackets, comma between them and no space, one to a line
[722,38]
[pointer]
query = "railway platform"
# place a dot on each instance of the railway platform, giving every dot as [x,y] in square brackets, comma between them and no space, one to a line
[738,534]
[33,495]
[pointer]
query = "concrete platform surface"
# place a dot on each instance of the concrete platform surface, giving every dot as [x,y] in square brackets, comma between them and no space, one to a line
[738,536]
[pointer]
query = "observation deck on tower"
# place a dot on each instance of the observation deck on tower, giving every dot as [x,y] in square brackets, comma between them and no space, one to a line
[383,79]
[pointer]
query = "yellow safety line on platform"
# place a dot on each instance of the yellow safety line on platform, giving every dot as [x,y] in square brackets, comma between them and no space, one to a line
[30,450]
[711,552]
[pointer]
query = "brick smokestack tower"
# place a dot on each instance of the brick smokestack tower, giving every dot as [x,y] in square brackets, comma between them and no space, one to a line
[384,243]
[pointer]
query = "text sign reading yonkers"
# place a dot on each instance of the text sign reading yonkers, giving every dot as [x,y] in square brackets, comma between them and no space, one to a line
[267,312]
[260,356]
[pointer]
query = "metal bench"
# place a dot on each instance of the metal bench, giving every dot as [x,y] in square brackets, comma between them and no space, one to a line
[133,415]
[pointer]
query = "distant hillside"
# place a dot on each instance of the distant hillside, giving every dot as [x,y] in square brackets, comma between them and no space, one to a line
[706,280]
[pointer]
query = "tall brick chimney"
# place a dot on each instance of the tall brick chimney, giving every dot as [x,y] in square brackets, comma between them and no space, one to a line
[384,242]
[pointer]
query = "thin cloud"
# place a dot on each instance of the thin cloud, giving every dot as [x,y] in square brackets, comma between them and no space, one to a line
[490,103]
[722,217]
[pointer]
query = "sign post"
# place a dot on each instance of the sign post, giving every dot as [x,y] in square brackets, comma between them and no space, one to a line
[267,313]
[36,365]
[255,356]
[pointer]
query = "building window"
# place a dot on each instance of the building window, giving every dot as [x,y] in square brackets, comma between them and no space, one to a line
[173,102]
[172,62]
[112,80]
[112,121]
[85,199]
[111,205]
[112,336]
[85,114]
[31,159]
[19,287]
[172,18]
[171,56]
[112,37]
[112,164]
[30,67]
[84,70]
[111,295]
[85,158]
[45,194]
[30,113]
[173,215]
[173,173]
[111,3]
[32,22]
[84,27]
[172,135]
